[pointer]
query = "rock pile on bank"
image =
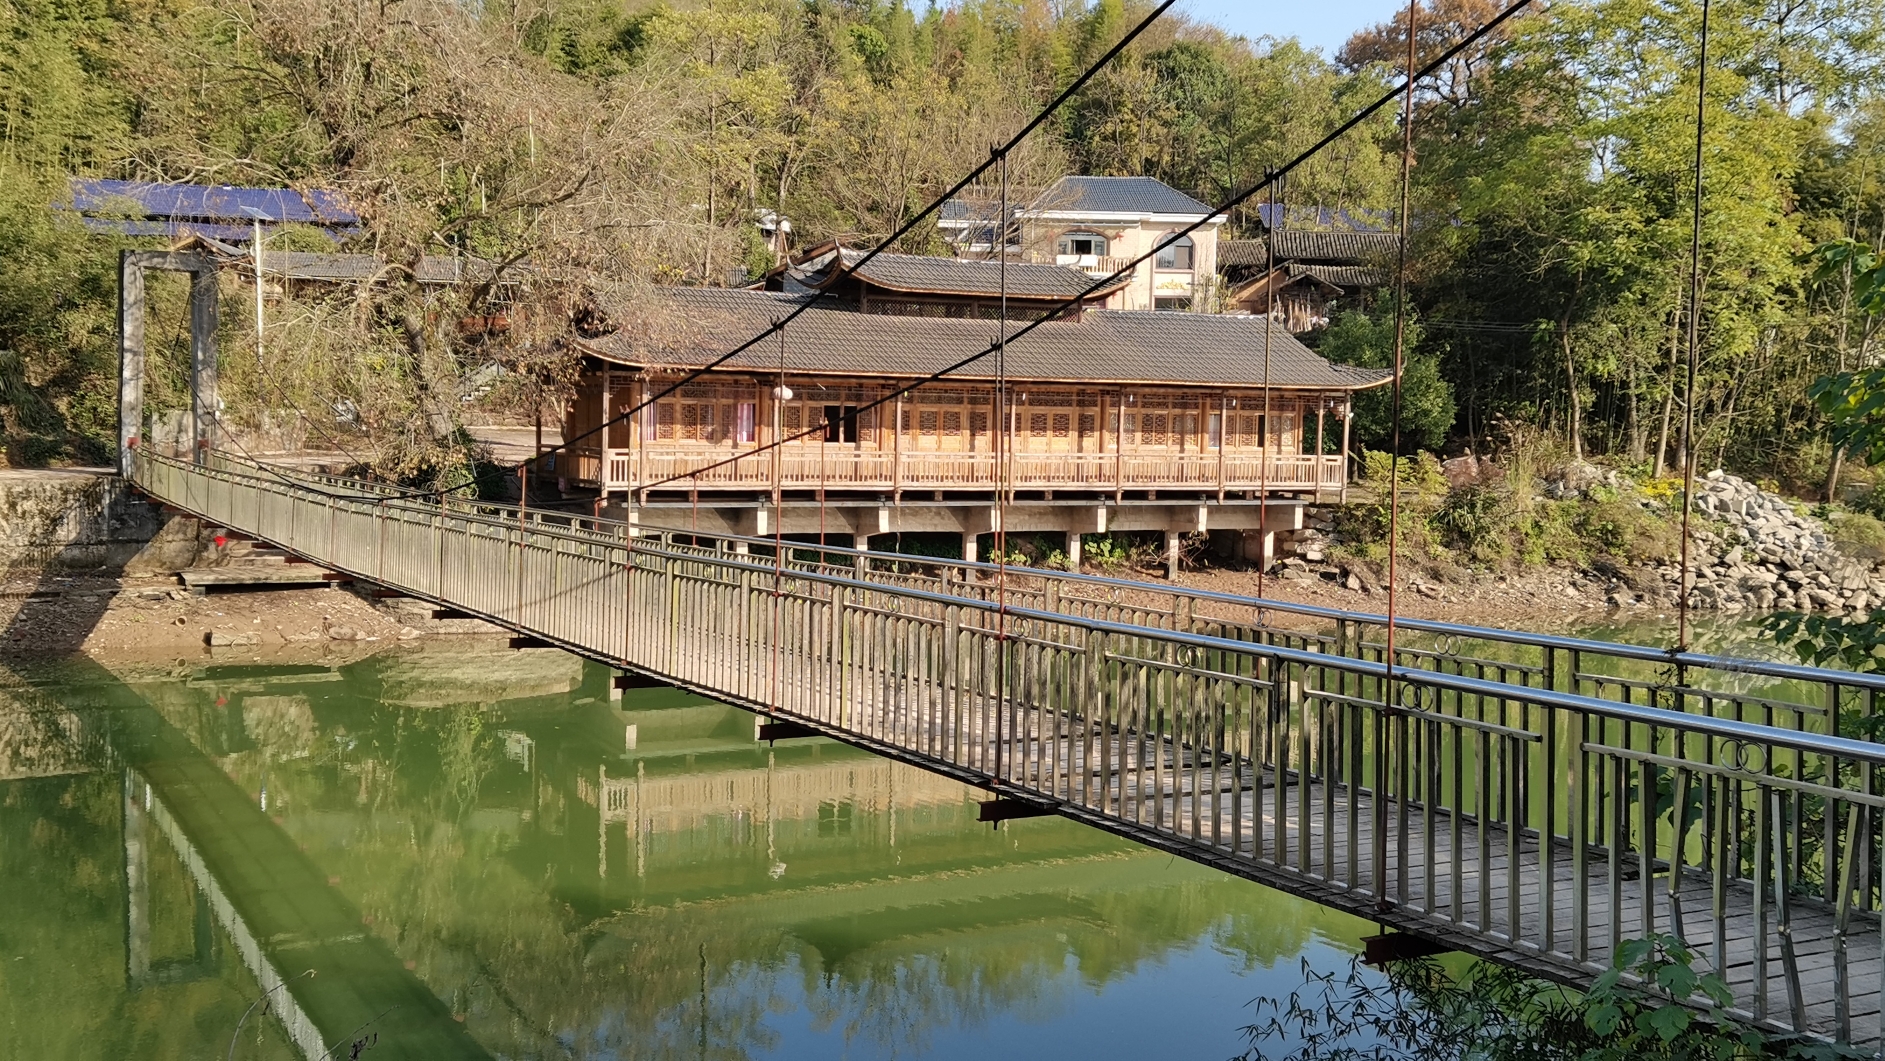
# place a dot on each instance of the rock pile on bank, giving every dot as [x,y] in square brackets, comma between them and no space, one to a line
[1769,557]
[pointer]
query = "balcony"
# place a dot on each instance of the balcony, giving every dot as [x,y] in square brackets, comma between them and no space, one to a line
[851,469]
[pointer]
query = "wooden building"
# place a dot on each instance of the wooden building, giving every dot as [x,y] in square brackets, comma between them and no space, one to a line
[1311,275]
[1113,404]
[1114,421]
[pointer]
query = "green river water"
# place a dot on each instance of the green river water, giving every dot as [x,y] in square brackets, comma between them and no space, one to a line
[480,855]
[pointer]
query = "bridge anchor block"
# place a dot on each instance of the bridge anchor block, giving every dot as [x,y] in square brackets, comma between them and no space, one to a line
[771,731]
[1001,809]
[1399,947]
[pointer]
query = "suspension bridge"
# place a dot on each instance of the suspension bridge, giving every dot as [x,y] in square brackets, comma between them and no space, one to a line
[1535,800]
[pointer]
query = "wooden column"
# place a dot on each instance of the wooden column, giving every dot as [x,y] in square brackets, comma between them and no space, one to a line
[896,449]
[1348,417]
[602,436]
[1322,406]
[1223,431]
[1119,449]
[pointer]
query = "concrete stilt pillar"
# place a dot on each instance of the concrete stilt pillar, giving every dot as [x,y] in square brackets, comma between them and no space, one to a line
[968,547]
[1171,554]
[1073,550]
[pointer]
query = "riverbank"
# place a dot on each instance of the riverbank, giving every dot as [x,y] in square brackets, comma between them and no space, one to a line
[1541,601]
[155,615]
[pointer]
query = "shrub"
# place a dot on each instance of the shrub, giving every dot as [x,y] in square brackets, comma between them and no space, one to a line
[1859,535]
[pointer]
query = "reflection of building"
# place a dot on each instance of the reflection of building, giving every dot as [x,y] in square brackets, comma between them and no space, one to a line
[39,739]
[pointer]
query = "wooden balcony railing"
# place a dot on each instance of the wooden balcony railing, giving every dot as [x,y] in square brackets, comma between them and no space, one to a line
[869,469]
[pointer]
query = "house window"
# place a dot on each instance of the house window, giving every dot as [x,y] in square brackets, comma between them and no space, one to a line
[1081,244]
[1216,428]
[744,416]
[1175,254]
[1037,425]
[840,423]
[1172,305]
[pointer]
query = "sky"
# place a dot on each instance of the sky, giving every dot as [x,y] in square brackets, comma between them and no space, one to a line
[1323,24]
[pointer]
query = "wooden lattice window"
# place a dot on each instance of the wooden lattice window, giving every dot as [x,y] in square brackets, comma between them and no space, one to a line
[1154,429]
[1088,423]
[952,423]
[1063,425]
[794,419]
[1037,425]
[978,423]
[928,421]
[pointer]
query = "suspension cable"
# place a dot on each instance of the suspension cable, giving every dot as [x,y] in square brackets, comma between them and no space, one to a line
[1054,311]
[1058,309]
[1263,429]
[1004,471]
[1400,345]
[883,246]
[1689,448]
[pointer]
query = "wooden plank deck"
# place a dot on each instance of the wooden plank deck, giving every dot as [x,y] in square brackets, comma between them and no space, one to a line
[1306,766]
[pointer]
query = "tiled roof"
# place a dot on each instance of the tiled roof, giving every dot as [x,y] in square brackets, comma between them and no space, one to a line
[917,274]
[1342,275]
[1117,195]
[1103,347]
[1306,245]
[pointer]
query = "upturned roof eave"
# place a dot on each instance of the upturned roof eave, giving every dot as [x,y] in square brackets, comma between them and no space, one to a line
[590,348]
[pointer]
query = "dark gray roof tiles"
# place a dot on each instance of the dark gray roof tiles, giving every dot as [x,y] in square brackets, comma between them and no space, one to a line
[951,276]
[1117,195]
[1342,275]
[1305,245]
[1102,347]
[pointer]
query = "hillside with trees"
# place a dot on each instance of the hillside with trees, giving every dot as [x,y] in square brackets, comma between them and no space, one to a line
[632,143]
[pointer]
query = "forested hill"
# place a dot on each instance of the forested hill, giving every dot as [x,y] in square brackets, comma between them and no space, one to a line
[635,141]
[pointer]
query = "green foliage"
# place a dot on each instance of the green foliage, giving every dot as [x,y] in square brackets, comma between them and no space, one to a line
[1367,340]
[1821,640]
[1652,1003]
[1500,521]
[1858,534]
[1854,405]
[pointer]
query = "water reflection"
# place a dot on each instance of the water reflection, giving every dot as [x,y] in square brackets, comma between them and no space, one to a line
[483,855]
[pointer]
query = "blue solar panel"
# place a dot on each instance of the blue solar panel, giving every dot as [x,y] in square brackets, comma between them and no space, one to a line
[209,203]
[226,233]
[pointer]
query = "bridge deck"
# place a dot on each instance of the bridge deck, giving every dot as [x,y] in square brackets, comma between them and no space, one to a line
[1529,799]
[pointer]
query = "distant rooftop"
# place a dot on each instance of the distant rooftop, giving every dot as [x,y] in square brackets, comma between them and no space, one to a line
[217,211]
[1116,195]
[916,274]
[1284,217]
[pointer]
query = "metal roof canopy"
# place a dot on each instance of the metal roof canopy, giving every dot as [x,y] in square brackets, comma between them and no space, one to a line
[225,212]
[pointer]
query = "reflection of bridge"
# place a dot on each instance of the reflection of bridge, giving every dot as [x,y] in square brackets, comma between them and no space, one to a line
[282,915]
[1488,791]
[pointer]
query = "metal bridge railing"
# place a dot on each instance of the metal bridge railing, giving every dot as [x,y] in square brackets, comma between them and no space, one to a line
[1490,800]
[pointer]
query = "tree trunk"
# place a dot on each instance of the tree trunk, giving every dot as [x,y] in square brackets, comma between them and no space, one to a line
[1668,398]
[1573,406]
